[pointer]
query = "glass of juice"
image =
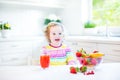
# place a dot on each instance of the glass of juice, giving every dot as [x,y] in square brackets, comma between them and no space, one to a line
[44,61]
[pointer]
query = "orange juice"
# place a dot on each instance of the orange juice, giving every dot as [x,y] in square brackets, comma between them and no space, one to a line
[44,61]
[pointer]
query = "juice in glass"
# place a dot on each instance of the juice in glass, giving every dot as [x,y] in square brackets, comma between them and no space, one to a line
[44,61]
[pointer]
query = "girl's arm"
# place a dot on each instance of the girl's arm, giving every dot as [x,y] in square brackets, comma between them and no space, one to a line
[70,57]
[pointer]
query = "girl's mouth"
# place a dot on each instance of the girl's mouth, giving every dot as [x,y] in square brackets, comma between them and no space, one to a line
[57,39]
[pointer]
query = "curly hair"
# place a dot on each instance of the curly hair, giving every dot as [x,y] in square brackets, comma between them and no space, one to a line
[47,30]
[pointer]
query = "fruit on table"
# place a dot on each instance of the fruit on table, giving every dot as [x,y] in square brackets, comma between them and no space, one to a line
[89,59]
[82,50]
[89,73]
[82,53]
[96,55]
[83,69]
[85,61]
[78,54]
[93,61]
[95,51]
[74,70]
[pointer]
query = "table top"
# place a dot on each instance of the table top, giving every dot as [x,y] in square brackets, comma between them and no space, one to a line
[105,71]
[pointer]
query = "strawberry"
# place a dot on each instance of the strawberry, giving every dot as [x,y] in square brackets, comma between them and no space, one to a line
[78,54]
[95,51]
[73,70]
[83,69]
[85,62]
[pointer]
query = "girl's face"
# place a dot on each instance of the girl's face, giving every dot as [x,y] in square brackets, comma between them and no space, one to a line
[56,35]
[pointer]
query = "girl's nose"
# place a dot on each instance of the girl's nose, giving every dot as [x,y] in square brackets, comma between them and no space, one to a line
[57,35]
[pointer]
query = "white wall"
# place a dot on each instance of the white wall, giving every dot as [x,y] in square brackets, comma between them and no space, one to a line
[25,20]
[72,17]
[28,20]
[75,14]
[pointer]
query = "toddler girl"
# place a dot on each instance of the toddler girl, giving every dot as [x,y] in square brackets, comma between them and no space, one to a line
[59,53]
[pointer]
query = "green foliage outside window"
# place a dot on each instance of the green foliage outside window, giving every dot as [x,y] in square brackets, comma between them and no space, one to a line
[106,12]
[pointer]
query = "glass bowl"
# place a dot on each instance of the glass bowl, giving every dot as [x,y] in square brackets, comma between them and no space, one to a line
[89,62]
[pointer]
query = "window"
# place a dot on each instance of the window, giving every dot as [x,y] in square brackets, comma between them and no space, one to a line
[106,16]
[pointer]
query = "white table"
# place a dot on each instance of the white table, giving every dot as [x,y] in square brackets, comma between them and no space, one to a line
[105,71]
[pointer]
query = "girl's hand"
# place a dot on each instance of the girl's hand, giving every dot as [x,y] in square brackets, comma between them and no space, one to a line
[71,63]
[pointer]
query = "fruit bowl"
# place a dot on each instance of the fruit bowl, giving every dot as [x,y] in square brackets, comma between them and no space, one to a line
[89,59]
[90,62]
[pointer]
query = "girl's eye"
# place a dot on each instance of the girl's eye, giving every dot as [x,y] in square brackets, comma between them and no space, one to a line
[60,33]
[54,34]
